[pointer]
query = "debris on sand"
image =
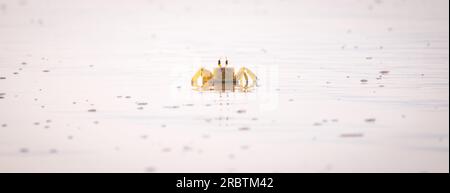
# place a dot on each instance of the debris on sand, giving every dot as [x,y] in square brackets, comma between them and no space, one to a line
[384,72]
[24,150]
[346,135]
[370,120]
[241,111]
[244,129]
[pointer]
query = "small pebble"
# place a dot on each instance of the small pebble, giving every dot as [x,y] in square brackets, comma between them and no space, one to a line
[205,136]
[241,111]
[370,120]
[352,135]
[187,148]
[384,72]
[244,129]
[172,107]
[53,151]
[24,150]
[150,169]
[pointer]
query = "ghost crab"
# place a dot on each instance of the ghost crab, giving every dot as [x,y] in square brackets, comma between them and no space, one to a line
[224,78]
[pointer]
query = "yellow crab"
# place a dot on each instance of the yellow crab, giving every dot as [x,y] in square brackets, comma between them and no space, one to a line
[224,78]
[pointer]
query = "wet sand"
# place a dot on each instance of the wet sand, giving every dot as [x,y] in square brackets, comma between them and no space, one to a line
[104,86]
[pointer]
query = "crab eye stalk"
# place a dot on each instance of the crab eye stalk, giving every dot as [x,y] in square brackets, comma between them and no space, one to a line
[218,62]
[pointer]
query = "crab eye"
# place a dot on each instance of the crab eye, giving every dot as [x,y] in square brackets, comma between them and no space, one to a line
[226,62]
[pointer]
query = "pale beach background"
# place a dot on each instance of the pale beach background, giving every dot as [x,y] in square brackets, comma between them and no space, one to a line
[104,86]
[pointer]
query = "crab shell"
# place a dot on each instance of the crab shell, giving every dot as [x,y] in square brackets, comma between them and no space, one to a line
[224,78]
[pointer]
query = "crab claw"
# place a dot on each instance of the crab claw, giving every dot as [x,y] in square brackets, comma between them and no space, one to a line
[206,75]
[243,76]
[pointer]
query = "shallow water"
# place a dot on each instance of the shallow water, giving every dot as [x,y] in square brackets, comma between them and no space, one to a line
[104,86]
